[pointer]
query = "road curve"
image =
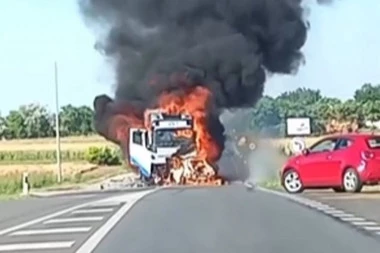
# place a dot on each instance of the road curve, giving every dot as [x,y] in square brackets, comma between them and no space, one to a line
[229,219]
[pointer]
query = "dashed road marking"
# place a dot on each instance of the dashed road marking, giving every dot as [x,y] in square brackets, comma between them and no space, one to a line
[97,237]
[374,228]
[364,223]
[36,246]
[103,204]
[358,222]
[73,220]
[352,219]
[80,229]
[343,215]
[333,211]
[52,231]
[41,219]
[103,210]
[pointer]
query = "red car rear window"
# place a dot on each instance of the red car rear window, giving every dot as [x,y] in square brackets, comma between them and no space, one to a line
[374,142]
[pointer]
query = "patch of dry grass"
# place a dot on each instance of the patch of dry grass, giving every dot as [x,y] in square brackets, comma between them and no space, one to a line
[45,176]
[67,168]
[67,143]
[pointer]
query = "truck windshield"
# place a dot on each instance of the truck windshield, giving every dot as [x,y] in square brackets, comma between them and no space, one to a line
[165,138]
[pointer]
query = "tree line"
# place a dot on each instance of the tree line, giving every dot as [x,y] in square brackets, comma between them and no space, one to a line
[36,121]
[269,115]
[328,114]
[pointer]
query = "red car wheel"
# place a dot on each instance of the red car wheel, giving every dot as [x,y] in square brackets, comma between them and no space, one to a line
[291,181]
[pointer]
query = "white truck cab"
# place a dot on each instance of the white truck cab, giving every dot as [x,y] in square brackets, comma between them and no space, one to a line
[149,149]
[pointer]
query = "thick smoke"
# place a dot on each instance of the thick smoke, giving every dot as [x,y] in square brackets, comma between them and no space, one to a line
[229,46]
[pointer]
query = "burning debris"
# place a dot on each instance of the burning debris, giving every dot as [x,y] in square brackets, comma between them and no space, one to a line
[190,61]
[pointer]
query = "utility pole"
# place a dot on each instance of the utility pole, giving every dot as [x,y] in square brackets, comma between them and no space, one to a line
[57,134]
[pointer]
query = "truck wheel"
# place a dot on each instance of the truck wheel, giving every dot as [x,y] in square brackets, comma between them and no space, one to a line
[351,181]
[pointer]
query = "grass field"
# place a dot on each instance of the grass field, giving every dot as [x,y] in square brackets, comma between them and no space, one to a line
[44,174]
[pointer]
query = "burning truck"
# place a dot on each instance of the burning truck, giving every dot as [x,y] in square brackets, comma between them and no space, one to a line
[168,144]
[165,151]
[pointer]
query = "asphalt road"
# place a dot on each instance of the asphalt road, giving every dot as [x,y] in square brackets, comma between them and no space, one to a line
[14,212]
[365,204]
[229,219]
[225,219]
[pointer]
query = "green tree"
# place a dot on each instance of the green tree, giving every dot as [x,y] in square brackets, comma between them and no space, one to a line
[367,92]
[3,127]
[371,110]
[37,121]
[76,120]
[15,125]
[266,113]
[29,121]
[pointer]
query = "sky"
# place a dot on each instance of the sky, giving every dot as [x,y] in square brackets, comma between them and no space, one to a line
[342,52]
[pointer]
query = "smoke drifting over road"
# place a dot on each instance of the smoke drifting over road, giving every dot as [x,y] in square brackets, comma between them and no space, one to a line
[227,46]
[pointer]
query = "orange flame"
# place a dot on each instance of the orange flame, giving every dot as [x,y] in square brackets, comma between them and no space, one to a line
[195,170]
[198,170]
[194,103]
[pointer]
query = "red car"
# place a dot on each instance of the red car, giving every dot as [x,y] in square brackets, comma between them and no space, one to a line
[343,163]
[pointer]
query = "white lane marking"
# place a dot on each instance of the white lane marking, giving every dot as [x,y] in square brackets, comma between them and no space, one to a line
[100,210]
[342,215]
[41,219]
[325,208]
[97,237]
[52,231]
[320,205]
[105,204]
[69,220]
[352,219]
[368,225]
[374,228]
[333,211]
[36,246]
[364,223]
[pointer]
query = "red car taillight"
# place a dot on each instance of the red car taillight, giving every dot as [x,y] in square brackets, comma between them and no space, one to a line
[367,155]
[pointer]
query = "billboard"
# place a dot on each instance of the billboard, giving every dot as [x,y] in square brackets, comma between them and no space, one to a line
[298,126]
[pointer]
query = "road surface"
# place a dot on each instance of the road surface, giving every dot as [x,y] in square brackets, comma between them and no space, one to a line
[226,219]
[365,204]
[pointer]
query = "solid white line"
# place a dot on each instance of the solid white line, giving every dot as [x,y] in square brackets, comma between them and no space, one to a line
[52,231]
[324,207]
[36,246]
[97,237]
[41,219]
[375,228]
[79,219]
[364,223]
[341,215]
[100,210]
[352,219]
[319,205]
[105,204]
[333,211]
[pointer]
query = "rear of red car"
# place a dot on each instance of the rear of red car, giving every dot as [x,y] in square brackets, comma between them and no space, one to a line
[370,154]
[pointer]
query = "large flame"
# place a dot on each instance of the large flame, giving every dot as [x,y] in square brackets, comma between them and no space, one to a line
[195,169]
[195,103]
[198,168]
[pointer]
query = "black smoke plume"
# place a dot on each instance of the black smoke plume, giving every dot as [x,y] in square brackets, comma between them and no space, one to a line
[229,46]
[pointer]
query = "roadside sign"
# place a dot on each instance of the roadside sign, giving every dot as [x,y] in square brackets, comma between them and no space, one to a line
[297,145]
